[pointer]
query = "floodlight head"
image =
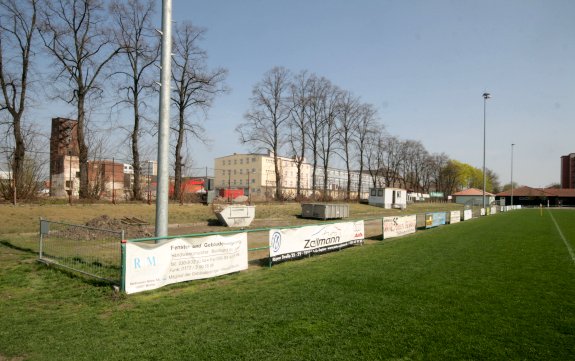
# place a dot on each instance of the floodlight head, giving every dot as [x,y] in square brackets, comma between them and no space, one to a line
[486,95]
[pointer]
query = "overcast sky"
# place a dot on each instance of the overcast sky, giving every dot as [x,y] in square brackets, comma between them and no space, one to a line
[423,64]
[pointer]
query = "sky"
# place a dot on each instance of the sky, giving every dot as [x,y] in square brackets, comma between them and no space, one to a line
[424,65]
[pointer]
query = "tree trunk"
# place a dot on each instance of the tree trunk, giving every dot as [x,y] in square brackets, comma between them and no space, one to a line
[82,148]
[136,189]
[178,161]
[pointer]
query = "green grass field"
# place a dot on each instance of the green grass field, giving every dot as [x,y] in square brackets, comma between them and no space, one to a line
[496,288]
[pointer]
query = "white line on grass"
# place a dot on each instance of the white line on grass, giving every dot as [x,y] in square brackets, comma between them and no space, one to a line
[563,237]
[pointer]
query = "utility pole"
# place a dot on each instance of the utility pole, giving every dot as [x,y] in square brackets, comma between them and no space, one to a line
[164,127]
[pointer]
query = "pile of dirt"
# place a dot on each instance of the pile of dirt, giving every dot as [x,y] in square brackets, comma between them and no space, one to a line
[131,228]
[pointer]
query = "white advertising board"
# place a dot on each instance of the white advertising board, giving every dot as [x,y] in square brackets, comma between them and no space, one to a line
[294,243]
[454,217]
[398,226]
[467,214]
[482,211]
[151,266]
[493,210]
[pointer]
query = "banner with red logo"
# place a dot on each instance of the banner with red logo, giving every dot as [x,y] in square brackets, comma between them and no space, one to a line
[399,226]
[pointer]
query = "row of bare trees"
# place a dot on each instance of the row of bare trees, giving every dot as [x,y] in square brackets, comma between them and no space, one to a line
[308,117]
[92,44]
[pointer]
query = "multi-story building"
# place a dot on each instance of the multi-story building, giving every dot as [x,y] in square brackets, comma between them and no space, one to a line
[64,162]
[103,176]
[568,171]
[106,178]
[255,175]
[337,180]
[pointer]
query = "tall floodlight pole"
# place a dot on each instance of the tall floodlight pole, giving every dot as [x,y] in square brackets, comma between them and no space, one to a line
[164,127]
[485,97]
[512,144]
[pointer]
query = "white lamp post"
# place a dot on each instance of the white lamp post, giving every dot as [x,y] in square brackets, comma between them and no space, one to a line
[485,97]
[512,145]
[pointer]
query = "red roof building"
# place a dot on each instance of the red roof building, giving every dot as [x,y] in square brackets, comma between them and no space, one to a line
[528,196]
[473,197]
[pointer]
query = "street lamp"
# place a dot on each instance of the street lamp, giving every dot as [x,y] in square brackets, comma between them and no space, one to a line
[512,145]
[485,97]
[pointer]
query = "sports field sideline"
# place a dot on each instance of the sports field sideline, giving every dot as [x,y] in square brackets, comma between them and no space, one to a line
[500,287]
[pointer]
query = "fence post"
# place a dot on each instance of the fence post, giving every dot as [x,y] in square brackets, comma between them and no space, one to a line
[123,275]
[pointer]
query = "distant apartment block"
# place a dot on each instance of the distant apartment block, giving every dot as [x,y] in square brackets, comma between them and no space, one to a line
[255,174]
[568,171]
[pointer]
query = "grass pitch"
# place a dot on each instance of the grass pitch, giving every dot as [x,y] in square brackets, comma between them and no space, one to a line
[500,287]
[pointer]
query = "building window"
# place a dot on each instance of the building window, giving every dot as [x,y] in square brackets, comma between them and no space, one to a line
[242,161]
[380,192]
[253,159]
[253,180]
[241,171]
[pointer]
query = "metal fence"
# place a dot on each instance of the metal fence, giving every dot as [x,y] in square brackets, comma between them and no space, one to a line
[92,251]
[97,252]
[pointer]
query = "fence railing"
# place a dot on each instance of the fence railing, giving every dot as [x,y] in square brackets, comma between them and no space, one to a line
[92,251]
[98,253]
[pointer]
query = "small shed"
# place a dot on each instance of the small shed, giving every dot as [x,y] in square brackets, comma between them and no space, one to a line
[388,197]
[473,197]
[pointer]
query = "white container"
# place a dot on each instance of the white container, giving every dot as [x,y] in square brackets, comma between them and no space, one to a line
[237,216]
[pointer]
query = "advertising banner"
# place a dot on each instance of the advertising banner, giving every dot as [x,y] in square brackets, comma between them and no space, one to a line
[398,226]
[483,211]
[151,266]
[493,210]
[434,219]
[294,243]
[467,214]
[454,217]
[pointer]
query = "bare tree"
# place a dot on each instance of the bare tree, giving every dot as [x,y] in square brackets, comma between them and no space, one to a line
[348,117]
[195,87]
[366,126]
[374,156]
[32,167]
[76,34]
[439,162]
[328,134]
[299,122]
[17,27]
[140,50]
[414,157]
[318,88]
[265,123]
[393,155]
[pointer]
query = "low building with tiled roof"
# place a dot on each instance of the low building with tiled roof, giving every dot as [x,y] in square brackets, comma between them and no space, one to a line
[473,197]
[528,196]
